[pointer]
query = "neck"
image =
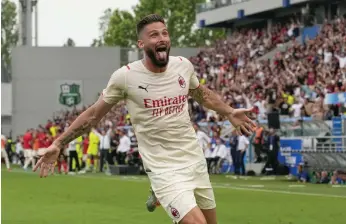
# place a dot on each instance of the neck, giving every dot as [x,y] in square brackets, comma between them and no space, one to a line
[151,67]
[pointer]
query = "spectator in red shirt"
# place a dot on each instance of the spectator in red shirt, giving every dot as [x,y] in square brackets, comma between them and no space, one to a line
[28,150]
[41,135]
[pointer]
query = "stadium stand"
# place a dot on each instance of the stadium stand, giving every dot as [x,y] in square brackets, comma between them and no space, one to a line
[294,84]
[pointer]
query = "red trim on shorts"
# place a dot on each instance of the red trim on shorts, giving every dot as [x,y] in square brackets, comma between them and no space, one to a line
[128,67]
[180,59]
[196,87]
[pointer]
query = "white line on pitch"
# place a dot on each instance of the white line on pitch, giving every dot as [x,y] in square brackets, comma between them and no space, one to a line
[280,192]
[215,185]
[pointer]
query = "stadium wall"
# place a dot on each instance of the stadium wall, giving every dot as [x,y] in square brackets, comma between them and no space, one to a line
[6,107]
[38,74]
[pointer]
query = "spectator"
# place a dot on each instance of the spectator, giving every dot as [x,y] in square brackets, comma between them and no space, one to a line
[3,151]
[220,152]
[234,147]
[124,147]
[243,144]
[72,151]
[105,145]
[273,152]
[28,150]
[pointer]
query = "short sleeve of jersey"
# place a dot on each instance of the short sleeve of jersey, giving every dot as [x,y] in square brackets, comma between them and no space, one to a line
[116,87]
[194,82]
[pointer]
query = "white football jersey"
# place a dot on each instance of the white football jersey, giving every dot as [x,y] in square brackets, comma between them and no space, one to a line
[157,103]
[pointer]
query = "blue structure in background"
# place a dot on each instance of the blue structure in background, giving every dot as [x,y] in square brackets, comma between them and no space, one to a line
[286,3]
[290,154]
[241,14]
[310,32]
[335,98]
[337,131]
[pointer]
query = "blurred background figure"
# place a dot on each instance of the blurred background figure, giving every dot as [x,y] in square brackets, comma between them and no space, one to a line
[4,154]
[273,141]
[234,149]
[104,145]
[73,156]
[124,147]
[243,144]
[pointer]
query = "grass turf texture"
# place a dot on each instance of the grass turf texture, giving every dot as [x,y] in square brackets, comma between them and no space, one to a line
[96,198]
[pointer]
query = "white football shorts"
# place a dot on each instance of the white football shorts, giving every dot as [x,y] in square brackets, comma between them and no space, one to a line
[179,191]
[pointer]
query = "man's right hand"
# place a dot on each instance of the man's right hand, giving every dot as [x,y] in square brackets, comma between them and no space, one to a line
[47,161]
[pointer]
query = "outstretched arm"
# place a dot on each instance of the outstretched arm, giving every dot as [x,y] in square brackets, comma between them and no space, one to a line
[208,98]
[84,122]
[114,92]
[211,100]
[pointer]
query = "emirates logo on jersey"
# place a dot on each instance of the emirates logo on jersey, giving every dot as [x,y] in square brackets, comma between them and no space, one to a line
[181,82]
[175,213]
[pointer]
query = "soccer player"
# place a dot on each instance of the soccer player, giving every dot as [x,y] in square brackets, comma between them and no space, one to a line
[156,90]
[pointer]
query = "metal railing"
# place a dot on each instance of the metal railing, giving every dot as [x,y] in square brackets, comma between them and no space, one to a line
[322,153]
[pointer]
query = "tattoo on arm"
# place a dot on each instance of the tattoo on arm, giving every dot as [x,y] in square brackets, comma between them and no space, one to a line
[200,94]
[83,125]
[211,100]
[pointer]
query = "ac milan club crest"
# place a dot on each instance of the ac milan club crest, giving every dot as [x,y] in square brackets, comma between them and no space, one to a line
[175,213]
[181,81]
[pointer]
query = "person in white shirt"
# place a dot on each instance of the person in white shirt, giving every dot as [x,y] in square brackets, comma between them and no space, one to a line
[243,144]
[219,153]
[328,55]
[296,109]
[202,137]
[124,147]
[104,145]
[342,60]
[72,152]
[208,153]
[19,154]
[3,151]
[156,90]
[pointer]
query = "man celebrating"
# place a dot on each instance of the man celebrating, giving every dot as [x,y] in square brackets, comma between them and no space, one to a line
[156,90]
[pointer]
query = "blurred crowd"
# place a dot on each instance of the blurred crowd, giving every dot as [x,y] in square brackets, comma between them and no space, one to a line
[294,83]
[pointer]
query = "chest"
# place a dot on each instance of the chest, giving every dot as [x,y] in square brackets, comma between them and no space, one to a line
[158,90]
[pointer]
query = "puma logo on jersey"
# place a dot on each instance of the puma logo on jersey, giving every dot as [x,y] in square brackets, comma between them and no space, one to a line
[144,88]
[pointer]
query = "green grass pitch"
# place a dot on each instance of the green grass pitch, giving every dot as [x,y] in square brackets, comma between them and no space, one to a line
[101,199]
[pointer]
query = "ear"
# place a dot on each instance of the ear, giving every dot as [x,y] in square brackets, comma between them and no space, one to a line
[140,44]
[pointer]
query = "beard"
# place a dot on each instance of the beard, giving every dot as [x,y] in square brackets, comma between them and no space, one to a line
[155,60]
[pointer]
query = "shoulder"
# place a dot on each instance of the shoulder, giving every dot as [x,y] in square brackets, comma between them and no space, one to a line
[180,60]
[124,70]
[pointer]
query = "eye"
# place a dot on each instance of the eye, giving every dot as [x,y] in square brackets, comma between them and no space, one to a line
[165,33]
[153,35]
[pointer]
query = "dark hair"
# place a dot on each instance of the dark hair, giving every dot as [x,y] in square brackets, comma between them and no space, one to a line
[149,19]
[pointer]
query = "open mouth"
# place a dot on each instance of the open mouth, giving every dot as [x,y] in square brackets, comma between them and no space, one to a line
[161,52]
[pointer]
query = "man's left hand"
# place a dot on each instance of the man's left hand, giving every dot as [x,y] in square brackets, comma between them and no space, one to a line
[241,122]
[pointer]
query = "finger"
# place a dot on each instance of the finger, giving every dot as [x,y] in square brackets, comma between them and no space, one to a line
[52,168]
[41,169]
[38,164]
[237,131]
[252,123]
[245,130]
[248,110]
[250,126]
[42,153]
[46,170]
